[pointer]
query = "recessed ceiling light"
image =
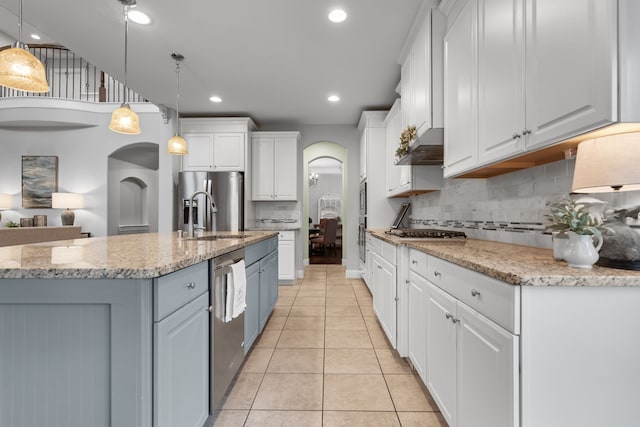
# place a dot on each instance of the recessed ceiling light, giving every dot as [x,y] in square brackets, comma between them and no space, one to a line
[139,17]
[35,36]
[215,99]
[337,15]
[333,98]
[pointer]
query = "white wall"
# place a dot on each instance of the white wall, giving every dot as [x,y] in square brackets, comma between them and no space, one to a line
[82,154]
[327,183]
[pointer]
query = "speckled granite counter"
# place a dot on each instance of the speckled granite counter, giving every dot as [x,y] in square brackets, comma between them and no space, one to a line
[134,256]
[515,264]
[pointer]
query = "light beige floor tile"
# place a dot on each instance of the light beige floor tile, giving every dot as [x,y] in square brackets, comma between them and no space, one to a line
[422,419]
[391,362]
[365,300]
[408,394]
[312,293]
[346,301]
[231,418]
[284,419]
[290,392]
[359,419]
[356,392]
[257,360]
[275,323]
[372,324]
[285,301]
[339,293]
[309,301]
[351,323]
[297,361]
[268,339]
[301,339]
[288,291]
[244,391]
[379,340]
[351,361]
[350,310]
[307,310]
[280,311]
[347,339]
[338,281]
[367,311]
[305,323]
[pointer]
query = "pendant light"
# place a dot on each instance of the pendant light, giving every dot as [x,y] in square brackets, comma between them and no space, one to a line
[124,119]
[177,144]
[19,69]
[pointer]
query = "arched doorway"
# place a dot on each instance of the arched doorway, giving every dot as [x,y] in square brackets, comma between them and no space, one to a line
[325,205]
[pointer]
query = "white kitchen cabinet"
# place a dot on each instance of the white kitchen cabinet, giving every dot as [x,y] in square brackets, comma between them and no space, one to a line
[287,256]
[421,72]
[216,152]
[274,166]
[384,289]
[527,95]
[417,323]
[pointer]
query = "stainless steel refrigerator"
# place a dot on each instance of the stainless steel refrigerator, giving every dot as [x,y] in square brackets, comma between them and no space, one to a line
[227,192]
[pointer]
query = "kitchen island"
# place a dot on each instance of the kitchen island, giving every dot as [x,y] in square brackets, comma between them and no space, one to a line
[505,335]
[86,324]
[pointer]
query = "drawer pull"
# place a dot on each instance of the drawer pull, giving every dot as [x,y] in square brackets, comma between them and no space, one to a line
[450,317]
[191,285]
[475,293]
[209,309]
[380,267]
[414,262]
[437,274]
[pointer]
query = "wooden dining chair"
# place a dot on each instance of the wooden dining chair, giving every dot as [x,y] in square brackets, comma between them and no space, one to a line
[328,238]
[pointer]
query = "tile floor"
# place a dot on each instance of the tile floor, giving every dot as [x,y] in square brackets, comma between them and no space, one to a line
[323,360]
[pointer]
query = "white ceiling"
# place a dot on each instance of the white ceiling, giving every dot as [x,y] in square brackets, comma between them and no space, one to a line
[273,60]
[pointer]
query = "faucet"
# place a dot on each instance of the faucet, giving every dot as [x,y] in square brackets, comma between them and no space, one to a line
[193,196]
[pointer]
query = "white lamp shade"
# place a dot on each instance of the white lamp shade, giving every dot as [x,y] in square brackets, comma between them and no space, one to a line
[607,164]
[5,201]
[67,201]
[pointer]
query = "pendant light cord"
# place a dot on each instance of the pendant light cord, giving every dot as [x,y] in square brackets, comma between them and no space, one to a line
[126,33]
[178,96]
[20,24]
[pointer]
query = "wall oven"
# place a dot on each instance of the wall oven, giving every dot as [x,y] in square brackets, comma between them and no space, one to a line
[362,239]
[363,198]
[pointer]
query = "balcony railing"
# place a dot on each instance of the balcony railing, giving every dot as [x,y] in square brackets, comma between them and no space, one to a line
[72,77]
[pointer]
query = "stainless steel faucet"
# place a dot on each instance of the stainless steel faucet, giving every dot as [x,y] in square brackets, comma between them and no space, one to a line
[193,196]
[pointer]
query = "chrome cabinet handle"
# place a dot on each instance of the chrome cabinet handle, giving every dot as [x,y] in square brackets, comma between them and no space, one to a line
[475,293]
[209,309]
[449,316]
[407,281]
[516,135]
[526,132]
[437,274]
[191,285]
[413,261]
[380,267]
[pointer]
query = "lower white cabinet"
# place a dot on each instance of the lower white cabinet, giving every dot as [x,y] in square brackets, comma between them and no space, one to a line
[287,255]
[383,278]
[417,322]
[181,366]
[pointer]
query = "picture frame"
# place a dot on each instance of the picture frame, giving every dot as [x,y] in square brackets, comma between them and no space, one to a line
[39,181]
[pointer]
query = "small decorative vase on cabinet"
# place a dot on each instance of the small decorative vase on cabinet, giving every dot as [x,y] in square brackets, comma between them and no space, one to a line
[580,251]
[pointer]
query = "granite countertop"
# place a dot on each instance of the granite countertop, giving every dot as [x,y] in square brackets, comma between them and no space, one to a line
[516,264]
[133,256]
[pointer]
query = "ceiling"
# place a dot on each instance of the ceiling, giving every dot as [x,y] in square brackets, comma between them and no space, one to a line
[276,61]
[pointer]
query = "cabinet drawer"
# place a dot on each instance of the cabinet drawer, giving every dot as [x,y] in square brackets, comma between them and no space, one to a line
[496,300]
[259,250]
[286,235]
[418,262]
[388,252]
[176,289]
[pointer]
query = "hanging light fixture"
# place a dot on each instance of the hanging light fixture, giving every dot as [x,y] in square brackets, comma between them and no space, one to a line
[19,69]
[177,144]
[124,119]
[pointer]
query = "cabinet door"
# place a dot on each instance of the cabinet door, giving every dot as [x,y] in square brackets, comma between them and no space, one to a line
[387,288]
[421,76]
[488,392]
[417,307]
[406,92]
[500,79]
[460,92]
[441,351]
[252,312]
[286,259]
[262,169]
[181,366]
[394,173]
[200,156]
[376,278]
[228,151]
[268,286]
[285,175]
[363,155]
[571,72]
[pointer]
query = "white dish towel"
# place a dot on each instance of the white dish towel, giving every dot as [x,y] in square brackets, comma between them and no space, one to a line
[236,291]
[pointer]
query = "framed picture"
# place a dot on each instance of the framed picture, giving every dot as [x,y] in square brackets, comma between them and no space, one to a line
[39,180]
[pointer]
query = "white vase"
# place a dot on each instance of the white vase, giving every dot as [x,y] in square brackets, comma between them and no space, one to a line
[580,251]
[560,242]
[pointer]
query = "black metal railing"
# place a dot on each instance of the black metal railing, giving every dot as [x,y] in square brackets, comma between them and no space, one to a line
[72,77]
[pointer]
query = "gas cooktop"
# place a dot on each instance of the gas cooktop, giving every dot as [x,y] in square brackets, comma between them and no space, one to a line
[426,233]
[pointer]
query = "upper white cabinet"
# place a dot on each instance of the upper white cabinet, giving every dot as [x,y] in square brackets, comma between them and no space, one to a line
[519,78]
[216,144]
[421,72]
[274,166]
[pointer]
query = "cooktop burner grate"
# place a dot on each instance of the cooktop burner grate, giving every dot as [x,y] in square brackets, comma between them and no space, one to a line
[426,233]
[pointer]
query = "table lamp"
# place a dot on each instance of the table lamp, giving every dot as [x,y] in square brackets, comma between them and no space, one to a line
[67,201]
[5,203]
[612,164]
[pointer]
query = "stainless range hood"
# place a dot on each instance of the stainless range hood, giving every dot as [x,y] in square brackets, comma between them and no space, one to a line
[428,149]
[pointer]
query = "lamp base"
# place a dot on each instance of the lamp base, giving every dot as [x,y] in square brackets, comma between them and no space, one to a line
[617,263]
[67,217]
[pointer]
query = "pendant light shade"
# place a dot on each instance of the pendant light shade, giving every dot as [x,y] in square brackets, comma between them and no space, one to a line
[124,119]
[19,69]
[177,144]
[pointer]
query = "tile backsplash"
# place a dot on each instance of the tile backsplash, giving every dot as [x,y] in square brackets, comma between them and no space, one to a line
[508,208]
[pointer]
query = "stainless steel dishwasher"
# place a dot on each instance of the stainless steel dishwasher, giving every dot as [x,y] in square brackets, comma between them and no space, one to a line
[227,338]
